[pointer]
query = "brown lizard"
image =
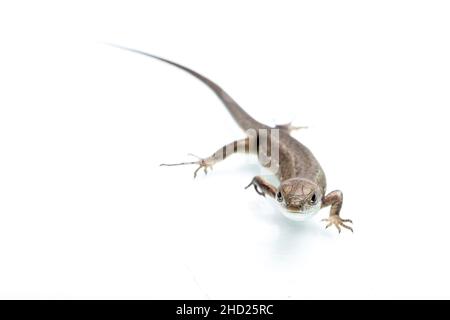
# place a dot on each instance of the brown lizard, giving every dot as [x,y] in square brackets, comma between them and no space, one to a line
[302,181]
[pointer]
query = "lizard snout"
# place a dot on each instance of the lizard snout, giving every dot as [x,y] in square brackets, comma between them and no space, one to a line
[295,205]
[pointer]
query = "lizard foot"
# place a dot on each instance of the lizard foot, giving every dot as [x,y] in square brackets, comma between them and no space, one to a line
[289,127]
[202,163]
[338,222]
[255,184]
[205,164]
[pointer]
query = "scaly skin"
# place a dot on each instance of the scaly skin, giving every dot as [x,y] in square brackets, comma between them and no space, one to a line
[302,180]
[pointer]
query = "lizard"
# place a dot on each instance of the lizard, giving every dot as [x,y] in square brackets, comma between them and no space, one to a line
[302,188]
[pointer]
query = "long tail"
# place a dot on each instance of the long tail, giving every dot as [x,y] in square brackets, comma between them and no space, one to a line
[242,118]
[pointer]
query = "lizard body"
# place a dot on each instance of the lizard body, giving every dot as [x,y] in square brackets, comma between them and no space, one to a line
[302,189]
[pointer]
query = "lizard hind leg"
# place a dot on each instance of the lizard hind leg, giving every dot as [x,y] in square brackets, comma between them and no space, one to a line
[221,154]
[202,163]
[289,127]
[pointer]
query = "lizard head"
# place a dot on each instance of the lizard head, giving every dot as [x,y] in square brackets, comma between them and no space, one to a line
[299,197]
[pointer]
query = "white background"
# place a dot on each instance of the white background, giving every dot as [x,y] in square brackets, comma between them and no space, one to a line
[86,212]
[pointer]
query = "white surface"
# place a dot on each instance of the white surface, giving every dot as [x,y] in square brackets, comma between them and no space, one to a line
[86,212]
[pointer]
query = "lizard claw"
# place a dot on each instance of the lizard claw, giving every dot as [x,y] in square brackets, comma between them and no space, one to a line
[338,222]
[205,164]
[253,183]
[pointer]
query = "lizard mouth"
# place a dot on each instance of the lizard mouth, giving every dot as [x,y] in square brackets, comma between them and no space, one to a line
[300,215]
[298,211]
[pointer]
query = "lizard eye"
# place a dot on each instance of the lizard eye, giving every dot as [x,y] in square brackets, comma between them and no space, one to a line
[279,196]
[313,199]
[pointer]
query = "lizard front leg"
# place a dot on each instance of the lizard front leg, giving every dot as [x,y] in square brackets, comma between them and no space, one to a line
[335,199]
[262,187]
